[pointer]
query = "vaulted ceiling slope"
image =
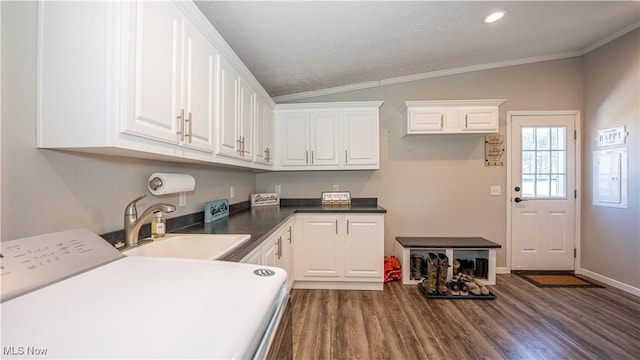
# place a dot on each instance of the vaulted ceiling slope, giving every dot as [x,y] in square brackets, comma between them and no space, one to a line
[295,48]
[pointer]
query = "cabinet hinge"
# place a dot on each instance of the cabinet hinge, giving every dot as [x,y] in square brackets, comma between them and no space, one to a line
[575,253]
[575,134]
[575,194]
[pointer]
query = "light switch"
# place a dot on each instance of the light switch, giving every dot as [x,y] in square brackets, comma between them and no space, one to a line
[495,190]
[232,192]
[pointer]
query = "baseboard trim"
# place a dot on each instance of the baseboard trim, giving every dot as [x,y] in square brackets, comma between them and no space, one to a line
[502,270]
[337,285]
[609,281]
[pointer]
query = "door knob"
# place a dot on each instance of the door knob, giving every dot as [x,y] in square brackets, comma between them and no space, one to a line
[518,200]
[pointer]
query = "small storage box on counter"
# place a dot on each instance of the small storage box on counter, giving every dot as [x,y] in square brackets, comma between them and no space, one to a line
[265,199]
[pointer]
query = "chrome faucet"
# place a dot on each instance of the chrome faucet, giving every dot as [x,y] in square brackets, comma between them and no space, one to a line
[133,223]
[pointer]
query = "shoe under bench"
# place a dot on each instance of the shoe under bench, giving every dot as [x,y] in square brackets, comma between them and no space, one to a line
[468,248]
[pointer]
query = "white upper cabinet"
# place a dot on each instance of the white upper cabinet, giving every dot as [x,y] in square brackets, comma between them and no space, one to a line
[360,131]
[143,79]
[327,136]
[235,128]
[450,117]
[263,136]
[175,75]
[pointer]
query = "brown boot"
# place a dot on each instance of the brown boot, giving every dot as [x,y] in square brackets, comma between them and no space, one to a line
[443,266]
[416,266]
[432,272]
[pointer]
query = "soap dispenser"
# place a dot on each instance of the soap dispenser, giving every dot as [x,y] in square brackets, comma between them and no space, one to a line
[158,226]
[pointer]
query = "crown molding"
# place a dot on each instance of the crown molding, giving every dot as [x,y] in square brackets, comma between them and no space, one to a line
[624,31]
[327,91]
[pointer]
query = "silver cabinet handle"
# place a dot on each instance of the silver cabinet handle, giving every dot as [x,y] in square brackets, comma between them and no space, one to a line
[181,124]
[466,121]
[306,157]
[189,127]
[312,157]
[290,234]
[441,121]
[347,227]
[346,158]
[336,227]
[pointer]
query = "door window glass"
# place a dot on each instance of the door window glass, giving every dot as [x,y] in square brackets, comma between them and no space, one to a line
[544,162]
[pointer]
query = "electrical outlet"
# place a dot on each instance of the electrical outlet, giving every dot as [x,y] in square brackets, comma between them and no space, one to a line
[495,190]
[278,189]
[182,200]
[336,187]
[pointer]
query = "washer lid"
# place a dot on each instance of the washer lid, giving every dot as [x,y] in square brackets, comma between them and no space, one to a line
[139,307]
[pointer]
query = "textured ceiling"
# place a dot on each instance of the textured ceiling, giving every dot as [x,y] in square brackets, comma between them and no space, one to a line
[299,46]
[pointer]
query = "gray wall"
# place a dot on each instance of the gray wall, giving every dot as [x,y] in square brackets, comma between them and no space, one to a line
[45,191]
[439,185]
[610,236]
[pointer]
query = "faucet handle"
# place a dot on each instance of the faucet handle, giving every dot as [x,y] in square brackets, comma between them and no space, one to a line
[131,208]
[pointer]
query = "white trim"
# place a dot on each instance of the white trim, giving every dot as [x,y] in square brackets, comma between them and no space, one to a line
[348,104]
[610,38]
[456,71]
[422,76]
[577,177]
[472,68]
[611,282]
[328,91]
[502,270]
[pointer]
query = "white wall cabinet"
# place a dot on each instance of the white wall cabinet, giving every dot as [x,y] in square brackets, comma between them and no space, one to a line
[450,117]
[339,251]
[142,79]
[309,138]
[174,94]
[263,136]
[236,125]
[327,136]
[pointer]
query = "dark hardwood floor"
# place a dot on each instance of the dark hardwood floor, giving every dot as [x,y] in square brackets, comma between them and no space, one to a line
[524,322]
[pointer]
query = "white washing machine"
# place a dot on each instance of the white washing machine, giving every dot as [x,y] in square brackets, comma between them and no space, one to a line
[71,295]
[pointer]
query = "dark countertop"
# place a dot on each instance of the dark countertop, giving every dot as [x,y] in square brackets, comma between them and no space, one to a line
[447,242]
[261,222]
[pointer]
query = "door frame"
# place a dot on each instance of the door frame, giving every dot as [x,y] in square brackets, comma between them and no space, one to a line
[578,179]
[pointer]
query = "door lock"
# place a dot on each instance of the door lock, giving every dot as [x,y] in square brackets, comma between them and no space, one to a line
[517,188]
[519,200]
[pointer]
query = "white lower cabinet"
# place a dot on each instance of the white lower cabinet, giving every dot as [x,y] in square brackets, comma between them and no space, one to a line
[338,251]
[276,251]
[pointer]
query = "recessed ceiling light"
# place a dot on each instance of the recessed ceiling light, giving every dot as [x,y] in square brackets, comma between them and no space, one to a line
[494,16]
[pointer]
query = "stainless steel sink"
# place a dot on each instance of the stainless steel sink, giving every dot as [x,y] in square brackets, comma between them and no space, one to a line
[190,246]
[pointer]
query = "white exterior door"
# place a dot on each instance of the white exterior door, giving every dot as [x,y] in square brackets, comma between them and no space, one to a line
[543,190]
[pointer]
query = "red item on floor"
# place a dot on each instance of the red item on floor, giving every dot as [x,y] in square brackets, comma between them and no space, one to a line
[392,269]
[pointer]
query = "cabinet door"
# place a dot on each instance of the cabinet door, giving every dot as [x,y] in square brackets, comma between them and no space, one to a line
[288,252]
[200,97]
[320,247]
[360,136]
[323,137]
[157,49]
[426,119]
[260,154]
[227,134]
[263,132]
[479,119]
[294,139]
[270,253]
[245,119]
[364,246]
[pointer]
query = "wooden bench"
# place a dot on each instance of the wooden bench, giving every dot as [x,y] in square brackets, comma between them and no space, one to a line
[468,248]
